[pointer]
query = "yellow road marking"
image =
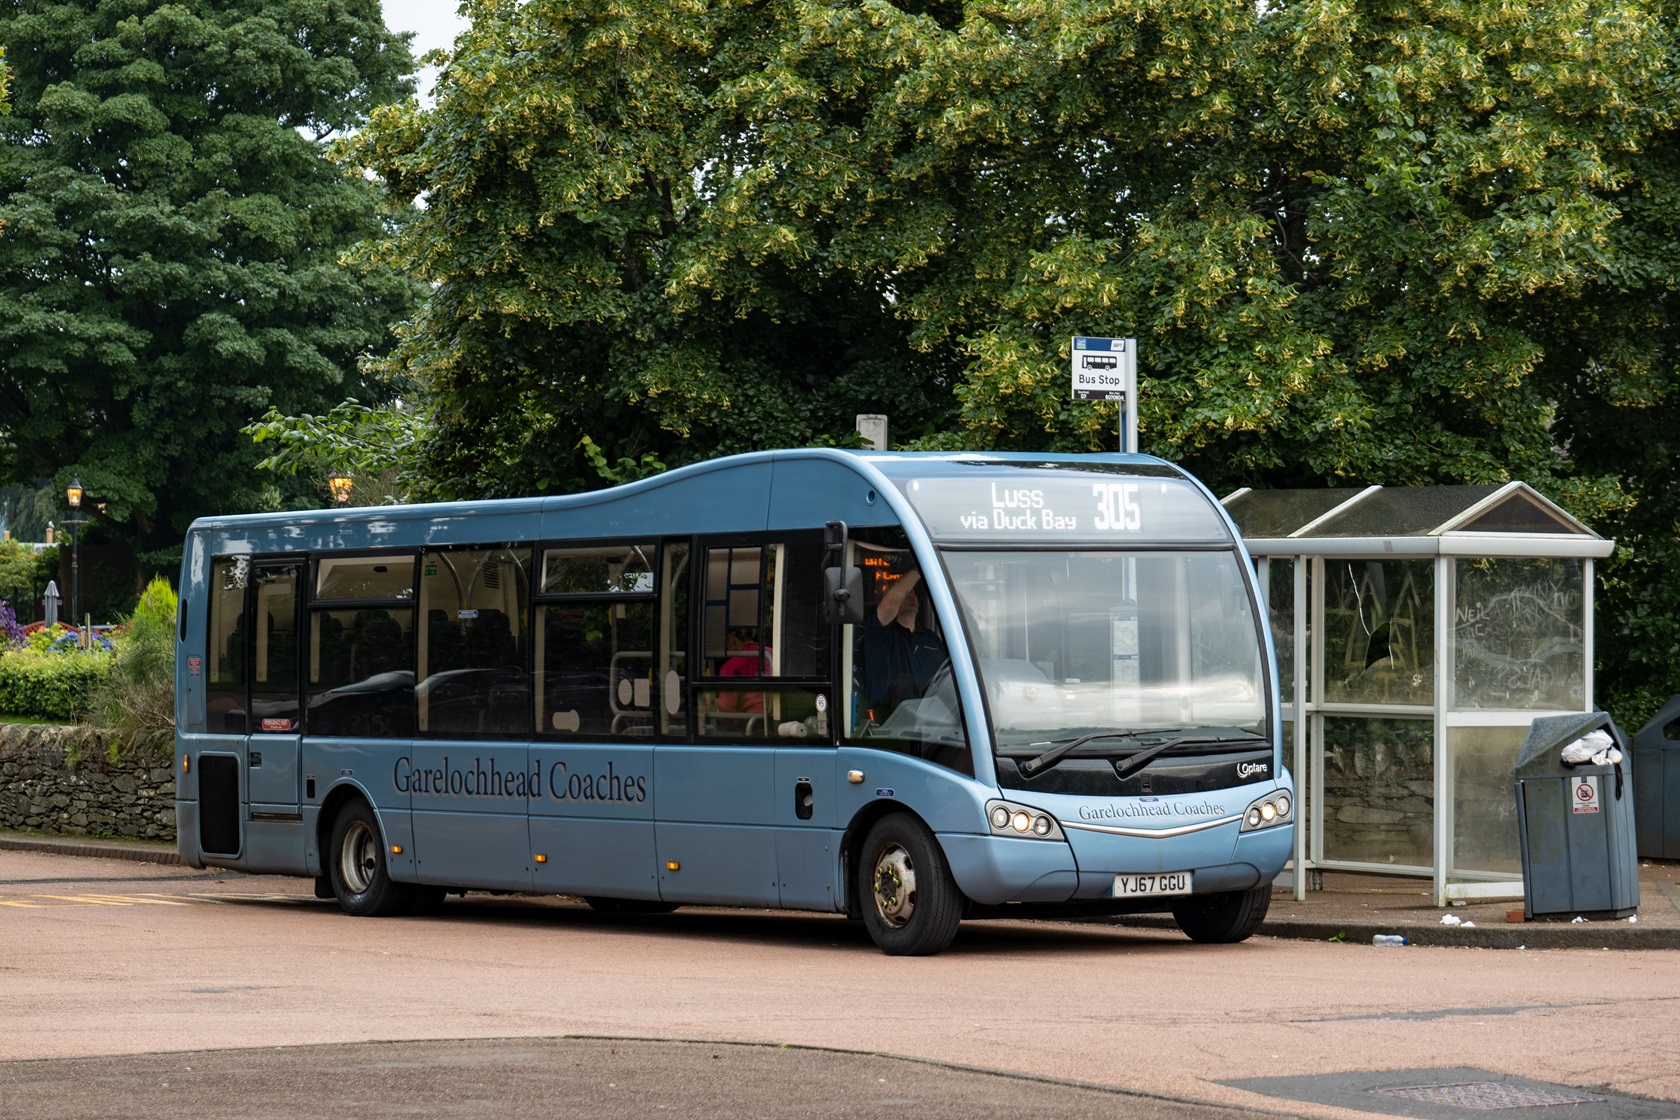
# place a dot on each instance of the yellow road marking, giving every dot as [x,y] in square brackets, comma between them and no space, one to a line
[24,905]
[84,899]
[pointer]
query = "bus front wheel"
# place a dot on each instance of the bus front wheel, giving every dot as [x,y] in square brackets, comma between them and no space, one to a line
[1224,918]
[360,880]
[911,905]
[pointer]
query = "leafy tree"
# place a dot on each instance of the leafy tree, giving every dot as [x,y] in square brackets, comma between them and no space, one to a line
[170,265]
[376,446]
[24,573]
[569,166]
[1394,243]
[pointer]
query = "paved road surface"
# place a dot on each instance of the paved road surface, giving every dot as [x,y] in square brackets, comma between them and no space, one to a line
[102,959]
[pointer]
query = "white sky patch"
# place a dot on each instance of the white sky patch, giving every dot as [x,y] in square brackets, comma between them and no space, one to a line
[435,24]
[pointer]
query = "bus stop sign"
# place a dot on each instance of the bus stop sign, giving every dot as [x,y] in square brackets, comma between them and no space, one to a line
[1105,369]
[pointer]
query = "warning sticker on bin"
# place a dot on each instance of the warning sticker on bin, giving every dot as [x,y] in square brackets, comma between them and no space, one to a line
[1583,794]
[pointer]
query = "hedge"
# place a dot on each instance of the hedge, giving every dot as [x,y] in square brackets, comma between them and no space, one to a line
[42,684]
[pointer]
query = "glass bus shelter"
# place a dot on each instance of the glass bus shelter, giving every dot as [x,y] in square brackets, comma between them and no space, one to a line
[1419,631]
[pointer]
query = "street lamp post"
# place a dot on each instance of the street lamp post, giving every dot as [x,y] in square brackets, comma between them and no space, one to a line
[74,494]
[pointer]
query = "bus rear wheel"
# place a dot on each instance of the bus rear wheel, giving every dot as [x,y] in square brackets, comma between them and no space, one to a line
[1225,918]
[356,865]
[911,905]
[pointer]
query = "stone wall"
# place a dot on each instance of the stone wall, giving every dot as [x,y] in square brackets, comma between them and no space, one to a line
[79,781]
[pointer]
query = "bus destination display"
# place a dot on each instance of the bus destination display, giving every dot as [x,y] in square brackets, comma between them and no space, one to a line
[1065,506]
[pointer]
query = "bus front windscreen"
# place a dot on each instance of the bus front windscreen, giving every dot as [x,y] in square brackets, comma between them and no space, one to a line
[1072,644]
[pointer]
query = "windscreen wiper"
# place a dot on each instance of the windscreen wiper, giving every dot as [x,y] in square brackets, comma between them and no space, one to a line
[1139,760]
[1061,750]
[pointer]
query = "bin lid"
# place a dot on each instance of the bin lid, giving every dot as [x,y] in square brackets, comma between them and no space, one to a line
[1653,733]
[1548,735]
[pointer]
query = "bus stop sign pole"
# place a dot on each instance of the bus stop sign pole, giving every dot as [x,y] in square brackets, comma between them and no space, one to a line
[1105,369]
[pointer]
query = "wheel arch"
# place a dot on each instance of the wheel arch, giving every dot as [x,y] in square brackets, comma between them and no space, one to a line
[331,806]
[851,840]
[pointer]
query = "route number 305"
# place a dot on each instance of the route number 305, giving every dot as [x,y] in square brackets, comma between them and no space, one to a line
[1117,507]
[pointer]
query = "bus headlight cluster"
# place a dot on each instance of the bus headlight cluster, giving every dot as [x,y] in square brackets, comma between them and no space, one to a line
[1010,819]
[1272,809]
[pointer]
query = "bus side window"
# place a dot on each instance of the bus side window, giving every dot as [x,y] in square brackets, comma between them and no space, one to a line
[594,664]
[472,642]
[360,660]
[228,677]
[765,643]
[673,640]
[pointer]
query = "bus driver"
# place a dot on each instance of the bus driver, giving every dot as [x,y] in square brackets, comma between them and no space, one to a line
[899,654]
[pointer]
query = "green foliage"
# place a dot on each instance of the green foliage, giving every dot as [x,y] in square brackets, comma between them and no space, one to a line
[139,692]
[378,447]
[43,684]
[573,166]
[1398,244]
[171,262]
[24,574]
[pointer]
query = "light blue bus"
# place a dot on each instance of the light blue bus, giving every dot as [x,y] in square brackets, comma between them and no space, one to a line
[911,688]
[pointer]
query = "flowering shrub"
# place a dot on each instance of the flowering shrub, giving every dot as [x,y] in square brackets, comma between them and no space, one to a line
[11,634]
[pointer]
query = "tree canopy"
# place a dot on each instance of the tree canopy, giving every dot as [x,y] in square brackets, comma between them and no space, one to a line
[170,262]
[1378,242]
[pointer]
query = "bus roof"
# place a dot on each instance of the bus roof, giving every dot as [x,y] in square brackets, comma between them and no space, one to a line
[730,494]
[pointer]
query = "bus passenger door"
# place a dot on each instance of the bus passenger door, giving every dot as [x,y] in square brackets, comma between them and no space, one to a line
[714,797]
[274,731]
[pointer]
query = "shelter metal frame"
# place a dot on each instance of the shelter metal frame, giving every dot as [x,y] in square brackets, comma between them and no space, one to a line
[1443,525]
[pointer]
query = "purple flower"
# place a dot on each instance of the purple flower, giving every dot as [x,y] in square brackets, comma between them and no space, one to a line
[11,634]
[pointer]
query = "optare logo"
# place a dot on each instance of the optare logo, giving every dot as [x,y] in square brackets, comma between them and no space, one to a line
[1249,769]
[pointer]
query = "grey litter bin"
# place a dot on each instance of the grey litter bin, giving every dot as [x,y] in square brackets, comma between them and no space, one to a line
[1575,824]
[1656,802]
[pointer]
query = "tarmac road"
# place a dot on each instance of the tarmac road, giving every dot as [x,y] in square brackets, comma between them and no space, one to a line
[110,972]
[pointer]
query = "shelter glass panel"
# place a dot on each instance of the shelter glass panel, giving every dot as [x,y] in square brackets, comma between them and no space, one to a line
[1519,635]
[1379,631]
[473,645]
[1484,807]
[1379,790]
[1280,607]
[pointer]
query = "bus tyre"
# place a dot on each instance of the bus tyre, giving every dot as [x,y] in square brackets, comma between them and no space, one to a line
[911,905]
[360,880]
[1223,918]
[628,905]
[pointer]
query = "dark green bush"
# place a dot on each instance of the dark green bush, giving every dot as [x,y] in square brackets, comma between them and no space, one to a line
[44,684]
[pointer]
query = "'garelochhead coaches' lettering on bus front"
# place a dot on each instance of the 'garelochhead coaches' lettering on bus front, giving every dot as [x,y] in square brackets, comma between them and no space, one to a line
[1031,679]
[1137,809]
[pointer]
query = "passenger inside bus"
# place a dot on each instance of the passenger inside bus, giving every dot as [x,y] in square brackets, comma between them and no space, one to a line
[745,660]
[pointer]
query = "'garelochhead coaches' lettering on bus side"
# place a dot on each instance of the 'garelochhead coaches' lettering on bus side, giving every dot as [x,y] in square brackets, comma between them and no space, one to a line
[910,688]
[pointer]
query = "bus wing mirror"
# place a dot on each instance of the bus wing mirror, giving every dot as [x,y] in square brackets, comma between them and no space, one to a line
[843,595]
